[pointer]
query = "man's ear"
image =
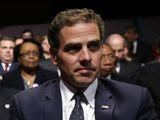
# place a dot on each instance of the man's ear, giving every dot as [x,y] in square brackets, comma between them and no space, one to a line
[53,56]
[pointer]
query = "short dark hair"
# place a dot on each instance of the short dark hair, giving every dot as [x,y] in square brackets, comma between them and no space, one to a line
[27,30]
[18,47]
[133,27]
[10,38]
[71,17]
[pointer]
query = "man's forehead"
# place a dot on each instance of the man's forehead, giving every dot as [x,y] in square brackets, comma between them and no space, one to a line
[6,42]
[83,42]
[107,48]
[117,46]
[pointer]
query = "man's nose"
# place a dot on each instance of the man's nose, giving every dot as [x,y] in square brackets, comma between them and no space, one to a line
[106,60]
[8,50]
[85,56]
[116,53]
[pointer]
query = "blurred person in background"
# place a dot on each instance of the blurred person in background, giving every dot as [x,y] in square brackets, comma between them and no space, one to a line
[29,74]
[46,47]
[108,63]
[27,34]
[18,41]
[7,62]
[140,49]
[46,61]
[126,71]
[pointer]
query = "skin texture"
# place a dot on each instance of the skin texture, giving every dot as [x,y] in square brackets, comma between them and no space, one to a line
[79,55]
[117,42]
[31,60]
[6,51]
[27,35]
[108,60]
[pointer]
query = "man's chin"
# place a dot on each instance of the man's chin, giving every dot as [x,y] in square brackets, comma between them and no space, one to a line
[85,80]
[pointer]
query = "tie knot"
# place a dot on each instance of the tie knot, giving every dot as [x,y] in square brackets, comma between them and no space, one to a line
[79,97]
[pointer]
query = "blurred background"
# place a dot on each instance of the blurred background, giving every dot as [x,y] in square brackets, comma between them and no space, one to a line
[36,15]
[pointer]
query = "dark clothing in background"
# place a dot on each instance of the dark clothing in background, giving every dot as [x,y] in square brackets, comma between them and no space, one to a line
[5,99]
[14,79]
[143,53]
[13,66]
[129,72]
[151,79]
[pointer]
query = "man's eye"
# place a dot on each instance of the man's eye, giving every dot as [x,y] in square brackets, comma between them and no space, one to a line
[94,46]
[73,48]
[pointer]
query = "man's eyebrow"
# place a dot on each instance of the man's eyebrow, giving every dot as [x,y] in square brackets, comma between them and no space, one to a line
[96,40]
[70,45]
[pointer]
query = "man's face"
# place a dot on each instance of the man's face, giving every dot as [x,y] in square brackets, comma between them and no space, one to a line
[108,60]
[119,51]
[130,35]
[6,51]
[27,35]
[79,54]
[118,47]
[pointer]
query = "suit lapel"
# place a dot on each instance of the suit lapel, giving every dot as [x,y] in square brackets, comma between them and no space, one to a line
[13,66]
[53,103]
[1,69]
[104,105]
[124,68]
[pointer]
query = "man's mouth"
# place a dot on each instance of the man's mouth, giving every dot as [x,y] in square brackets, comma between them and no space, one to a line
[84,70]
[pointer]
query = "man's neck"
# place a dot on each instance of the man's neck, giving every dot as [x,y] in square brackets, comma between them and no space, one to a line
[7,61]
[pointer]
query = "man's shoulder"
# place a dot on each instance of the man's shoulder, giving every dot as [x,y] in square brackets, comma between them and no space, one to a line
[37,92]
[122,87]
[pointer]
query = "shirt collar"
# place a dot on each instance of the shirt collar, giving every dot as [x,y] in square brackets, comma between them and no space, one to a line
[3,64]
[89,93]
[66,94]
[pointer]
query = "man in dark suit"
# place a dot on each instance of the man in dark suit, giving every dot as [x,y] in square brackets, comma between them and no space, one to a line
[126,71]
[75,37]
[7,63]
[140,49]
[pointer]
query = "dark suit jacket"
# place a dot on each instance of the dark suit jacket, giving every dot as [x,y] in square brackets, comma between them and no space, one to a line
[4,112]
[126,102]
[143,54]
[14,66]
[5,96]
[150,68]
[14,79]
[129,72]
[151,79]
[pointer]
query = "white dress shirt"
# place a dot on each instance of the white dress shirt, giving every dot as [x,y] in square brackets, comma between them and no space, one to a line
[118,67]
[68,103]
[135,43]
[4,65]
